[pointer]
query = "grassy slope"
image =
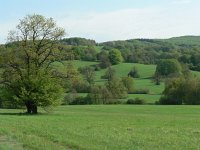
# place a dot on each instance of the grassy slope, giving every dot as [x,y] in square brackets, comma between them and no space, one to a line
[100,127]
[144,82]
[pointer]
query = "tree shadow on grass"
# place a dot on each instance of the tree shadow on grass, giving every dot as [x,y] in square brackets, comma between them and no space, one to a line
[18,114]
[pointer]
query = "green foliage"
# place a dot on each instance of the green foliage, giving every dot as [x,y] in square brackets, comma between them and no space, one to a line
[26,75]
[41,89]
[87,53]
[76,41]
[88,73]
[182,91]
[137,101]
[185,40]
[164,100]
[168,67]
[128,83]
[174,92]
[109,74]
[70,97]
[150,51]
[149,98]
[134,73]
[71,78]
[81,101]
[191,91]
[117,88]
[115,56]
[95,95]
[104,59]
[156,78]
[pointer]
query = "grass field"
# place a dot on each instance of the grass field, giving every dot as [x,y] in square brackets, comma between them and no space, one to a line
[101,127]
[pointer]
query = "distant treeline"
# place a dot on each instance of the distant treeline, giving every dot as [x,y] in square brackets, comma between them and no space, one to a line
[146,51]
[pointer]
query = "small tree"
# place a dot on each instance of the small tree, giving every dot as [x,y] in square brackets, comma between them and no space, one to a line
[115,56]
[104,59]
[128,83]
[109,74]
[88,73]
[134,73]
[116,88]
[27,76]
[173,93]
[157,78]
[95,95]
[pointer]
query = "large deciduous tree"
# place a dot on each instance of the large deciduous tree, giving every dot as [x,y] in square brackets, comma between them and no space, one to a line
[27,76]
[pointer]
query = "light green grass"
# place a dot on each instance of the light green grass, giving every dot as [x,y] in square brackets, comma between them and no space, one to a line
[112,127]
[145,72]
[122,70]
[196,73]
[148,84]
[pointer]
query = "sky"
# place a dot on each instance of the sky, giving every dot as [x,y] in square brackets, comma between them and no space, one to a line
[106,20]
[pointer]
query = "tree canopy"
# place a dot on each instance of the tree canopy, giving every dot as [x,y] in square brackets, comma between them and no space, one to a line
[26,68]
[167,67]
[115,56]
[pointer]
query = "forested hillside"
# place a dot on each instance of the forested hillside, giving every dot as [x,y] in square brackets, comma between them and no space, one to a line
[149,51]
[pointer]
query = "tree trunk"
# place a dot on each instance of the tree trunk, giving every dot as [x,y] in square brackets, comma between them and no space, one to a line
[34,110]
[31,107]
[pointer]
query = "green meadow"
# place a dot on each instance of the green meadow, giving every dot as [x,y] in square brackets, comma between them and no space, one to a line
[101,127]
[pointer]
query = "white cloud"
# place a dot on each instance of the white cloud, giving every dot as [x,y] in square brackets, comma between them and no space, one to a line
[134,23]
[155,22]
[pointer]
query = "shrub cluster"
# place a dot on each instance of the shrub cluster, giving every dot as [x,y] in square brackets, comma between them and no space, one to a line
[181,91]
[137,101]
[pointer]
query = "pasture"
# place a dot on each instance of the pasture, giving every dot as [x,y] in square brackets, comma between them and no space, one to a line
[99,127]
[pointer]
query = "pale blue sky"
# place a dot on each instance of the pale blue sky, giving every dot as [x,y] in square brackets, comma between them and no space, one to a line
[104,20]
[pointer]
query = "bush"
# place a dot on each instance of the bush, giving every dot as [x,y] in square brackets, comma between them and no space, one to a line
[165,100]
[134,73]
[109,74]
[137,101]
[182,90]
[128,83]
[103,59]
[88,73]
[81,101]
[81,87]
[70,97]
